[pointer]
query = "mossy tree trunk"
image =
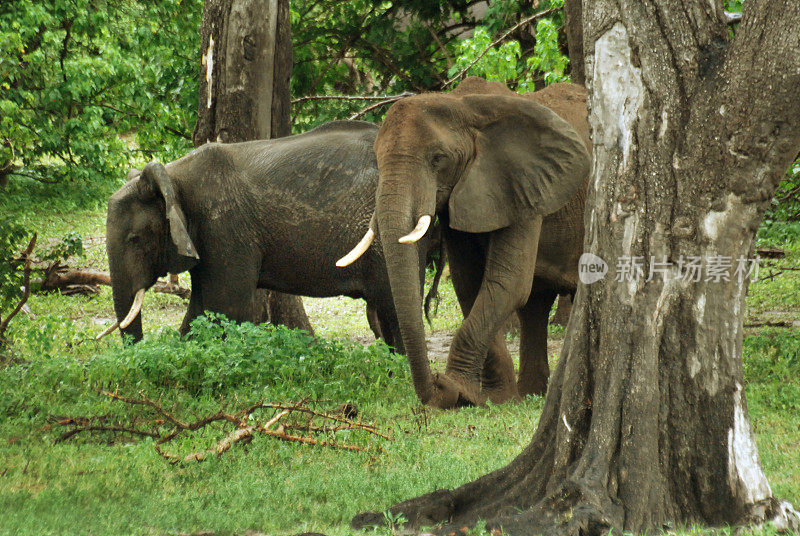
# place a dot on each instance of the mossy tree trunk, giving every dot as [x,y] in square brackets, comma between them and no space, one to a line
[244,95]
[645,422]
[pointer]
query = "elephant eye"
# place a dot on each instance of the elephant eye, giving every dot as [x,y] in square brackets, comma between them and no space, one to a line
[438,159]
[133,238]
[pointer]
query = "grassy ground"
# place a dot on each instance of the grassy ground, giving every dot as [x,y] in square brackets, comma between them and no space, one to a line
[113,485]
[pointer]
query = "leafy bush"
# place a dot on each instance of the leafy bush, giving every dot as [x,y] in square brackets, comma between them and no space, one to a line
[220,358]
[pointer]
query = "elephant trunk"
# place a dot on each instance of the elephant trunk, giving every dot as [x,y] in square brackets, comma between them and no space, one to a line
[397,213]
[123,304]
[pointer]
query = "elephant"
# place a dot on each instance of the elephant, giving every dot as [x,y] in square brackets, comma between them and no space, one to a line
[271,214]
[505,175]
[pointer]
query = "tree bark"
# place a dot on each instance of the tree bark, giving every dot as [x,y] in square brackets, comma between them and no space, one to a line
[244,95]
[563,310]
[573,23]
[645,421]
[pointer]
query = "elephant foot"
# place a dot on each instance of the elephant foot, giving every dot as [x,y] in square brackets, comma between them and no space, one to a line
[532,386]
[451,392]
[501,394]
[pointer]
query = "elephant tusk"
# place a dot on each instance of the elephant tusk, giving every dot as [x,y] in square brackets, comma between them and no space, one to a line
[357,251]
[135,308]
[109,329]
[418,232]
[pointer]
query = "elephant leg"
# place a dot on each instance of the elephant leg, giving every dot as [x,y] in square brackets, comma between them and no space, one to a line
[533,368]
[228,293]
[391,328]
[498,382]
[506,275]
[374,322]
[195,308]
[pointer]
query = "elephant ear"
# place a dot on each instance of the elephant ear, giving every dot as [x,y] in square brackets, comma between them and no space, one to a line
[154,177]
[528,162]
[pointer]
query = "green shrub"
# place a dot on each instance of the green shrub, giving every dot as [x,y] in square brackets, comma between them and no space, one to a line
[220,359]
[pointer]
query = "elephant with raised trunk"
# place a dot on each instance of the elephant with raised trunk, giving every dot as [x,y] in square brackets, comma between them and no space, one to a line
[271,214]
[506,176]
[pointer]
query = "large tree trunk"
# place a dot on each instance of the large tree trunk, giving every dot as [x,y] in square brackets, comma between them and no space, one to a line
[244,95]
[645,422]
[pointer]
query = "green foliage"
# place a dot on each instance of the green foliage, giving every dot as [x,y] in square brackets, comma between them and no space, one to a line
[778,233]
[78,74]
[370,47]
[71,245]
[12,242]
[734,5]
[498,63]
[504,63]
[218,357]
[785,205]
[774,363]
[547,58]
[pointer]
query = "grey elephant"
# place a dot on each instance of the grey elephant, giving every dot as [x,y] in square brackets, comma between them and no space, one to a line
[271,214]
[506,175]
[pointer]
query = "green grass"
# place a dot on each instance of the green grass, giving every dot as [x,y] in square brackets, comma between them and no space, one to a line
[89,485]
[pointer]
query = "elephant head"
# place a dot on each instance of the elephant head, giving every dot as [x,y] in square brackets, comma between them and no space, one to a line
[146,237]
[481,158]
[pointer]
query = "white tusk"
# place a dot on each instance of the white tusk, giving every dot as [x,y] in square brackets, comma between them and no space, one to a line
[357,251]
[418,232]
[135,308]
[109,329]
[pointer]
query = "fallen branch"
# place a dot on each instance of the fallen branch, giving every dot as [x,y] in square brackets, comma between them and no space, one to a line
[770,324]
[60,278]
[771,252]
[246,427]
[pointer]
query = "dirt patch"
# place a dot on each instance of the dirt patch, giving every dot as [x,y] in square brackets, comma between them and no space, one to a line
[439,346]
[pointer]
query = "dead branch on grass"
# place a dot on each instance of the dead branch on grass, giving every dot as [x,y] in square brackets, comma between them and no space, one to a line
[246,426]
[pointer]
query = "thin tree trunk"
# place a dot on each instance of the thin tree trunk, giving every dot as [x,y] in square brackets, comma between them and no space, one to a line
[573,23]
[244,95]
[563,310]
[645,422]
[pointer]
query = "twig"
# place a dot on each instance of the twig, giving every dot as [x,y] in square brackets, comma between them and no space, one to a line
[244,432]
[498,41]
[772,275]
[27,259]
[105,428]
[311,441]
[342,97]
[380,104]
[357,425]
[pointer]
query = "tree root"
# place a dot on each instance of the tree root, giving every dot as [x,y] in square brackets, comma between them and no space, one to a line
[246,427]
[571,510]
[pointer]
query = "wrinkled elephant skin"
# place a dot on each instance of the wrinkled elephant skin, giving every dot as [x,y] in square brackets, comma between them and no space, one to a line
[270,214]
[506,176]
